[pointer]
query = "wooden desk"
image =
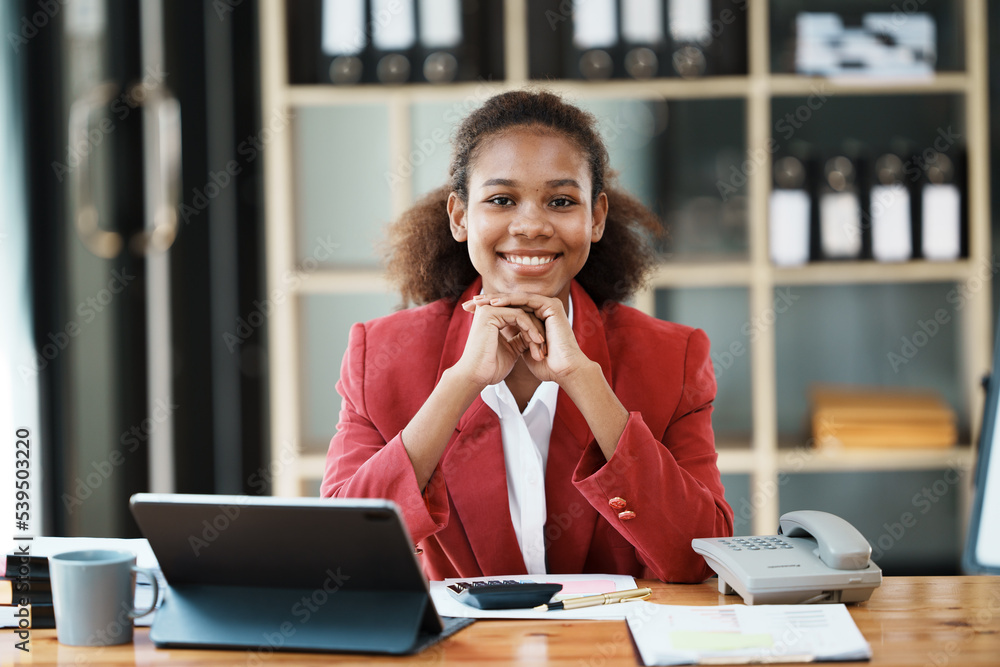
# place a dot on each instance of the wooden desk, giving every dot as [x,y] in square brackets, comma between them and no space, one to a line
[909,621]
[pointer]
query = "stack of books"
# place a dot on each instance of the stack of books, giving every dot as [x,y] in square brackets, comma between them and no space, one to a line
[26,584]
[866,417]
[26,593]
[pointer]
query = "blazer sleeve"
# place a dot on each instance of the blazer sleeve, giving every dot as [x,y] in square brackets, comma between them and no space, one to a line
[670,480]
[364,462]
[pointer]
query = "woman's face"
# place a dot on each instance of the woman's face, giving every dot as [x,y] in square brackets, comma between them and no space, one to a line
[529,221]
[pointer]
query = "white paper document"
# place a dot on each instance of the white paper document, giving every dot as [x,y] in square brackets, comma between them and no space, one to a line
[575,584]
[50,546]
[676,635]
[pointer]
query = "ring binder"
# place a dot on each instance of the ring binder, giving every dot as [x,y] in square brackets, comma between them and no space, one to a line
[690,30]
[789,213]
[890,211]
[941,209]
[595,35]
[394,35]
[642,32]
[440,29]
[343,37]
[840,210]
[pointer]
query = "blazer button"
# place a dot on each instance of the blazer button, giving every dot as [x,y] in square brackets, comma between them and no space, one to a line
[617,504]
[627,515]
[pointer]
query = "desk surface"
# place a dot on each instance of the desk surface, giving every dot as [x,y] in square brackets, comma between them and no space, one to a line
[909,621]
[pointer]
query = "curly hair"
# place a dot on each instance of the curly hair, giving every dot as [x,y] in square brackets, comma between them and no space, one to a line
[426,263]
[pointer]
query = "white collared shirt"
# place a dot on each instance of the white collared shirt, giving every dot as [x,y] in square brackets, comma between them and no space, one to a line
[525,439]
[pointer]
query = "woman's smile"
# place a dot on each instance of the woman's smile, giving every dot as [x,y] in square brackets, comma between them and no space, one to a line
[529,261]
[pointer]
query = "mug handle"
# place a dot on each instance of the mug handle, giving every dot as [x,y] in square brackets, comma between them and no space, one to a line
[156,592]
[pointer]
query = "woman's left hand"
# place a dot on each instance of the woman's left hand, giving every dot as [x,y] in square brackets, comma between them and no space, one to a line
[562,355]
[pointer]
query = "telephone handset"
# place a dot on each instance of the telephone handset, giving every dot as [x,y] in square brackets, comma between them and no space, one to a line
[815,557]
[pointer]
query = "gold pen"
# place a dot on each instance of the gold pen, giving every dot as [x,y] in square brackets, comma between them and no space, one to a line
[595,600]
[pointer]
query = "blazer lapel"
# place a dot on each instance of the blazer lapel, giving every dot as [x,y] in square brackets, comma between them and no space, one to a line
[474,469]
[571,519]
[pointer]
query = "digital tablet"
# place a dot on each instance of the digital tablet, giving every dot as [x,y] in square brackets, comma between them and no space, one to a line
[264,574]
[982,548]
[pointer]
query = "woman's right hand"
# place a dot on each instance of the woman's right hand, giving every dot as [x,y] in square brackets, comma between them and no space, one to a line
[496,340]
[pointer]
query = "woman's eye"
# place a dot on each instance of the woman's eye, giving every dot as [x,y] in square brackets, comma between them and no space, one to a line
[500,200]
[562,202]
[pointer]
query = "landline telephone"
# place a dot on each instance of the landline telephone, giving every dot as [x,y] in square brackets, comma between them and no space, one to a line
[815,557]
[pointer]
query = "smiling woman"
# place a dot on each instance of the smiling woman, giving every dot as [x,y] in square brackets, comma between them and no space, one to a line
[534,424]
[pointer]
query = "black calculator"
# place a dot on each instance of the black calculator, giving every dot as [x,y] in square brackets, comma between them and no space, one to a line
[502,594]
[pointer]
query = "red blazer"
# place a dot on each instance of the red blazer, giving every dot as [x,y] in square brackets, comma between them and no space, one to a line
[664,466]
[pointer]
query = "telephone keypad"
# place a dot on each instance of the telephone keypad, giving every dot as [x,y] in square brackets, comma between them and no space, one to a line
[771,543]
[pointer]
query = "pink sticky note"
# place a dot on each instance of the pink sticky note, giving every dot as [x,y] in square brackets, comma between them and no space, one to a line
[592,587]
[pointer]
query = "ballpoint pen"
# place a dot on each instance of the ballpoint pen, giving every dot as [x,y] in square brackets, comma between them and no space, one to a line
[595,600]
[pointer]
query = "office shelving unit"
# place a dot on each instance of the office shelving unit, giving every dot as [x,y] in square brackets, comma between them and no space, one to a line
[761,457]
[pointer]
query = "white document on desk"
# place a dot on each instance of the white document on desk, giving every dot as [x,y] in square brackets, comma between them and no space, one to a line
[449,606]
[734,634]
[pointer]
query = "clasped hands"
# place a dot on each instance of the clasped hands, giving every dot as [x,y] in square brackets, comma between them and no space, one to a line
[509,327]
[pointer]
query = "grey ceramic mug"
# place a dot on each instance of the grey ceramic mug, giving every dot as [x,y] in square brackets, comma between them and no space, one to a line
[93,596]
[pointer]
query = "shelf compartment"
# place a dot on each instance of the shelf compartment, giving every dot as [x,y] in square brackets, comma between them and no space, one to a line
[870,335]
[948,18]
[703,194]
[908,516]
[343,197]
